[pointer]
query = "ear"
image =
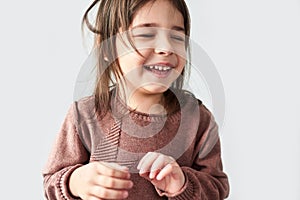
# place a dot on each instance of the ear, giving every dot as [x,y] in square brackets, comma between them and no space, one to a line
[97,41]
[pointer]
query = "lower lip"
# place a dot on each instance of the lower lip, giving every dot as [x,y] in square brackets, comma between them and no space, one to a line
[158,73]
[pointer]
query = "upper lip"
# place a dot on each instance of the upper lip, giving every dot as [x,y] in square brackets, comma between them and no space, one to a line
[164,64]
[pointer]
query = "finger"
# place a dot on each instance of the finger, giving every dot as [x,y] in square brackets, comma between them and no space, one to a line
[92,198]
[167,170]
[143,159]
[115,166]
[113,183]
[107,193]
[113,170]
[157,165]
[147,161]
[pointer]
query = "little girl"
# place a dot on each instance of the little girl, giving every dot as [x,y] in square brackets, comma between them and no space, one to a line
[140,135]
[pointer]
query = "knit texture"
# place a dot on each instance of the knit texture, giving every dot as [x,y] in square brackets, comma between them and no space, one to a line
[124,136]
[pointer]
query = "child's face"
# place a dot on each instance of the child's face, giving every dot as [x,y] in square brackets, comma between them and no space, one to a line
[157,31]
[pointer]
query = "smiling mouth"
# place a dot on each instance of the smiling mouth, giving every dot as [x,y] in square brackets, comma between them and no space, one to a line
[158,67]
[158,70]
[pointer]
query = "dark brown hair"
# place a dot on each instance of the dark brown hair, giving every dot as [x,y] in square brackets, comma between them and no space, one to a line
[111,16]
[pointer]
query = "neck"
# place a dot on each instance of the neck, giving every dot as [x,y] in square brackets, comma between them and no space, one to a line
[144,102]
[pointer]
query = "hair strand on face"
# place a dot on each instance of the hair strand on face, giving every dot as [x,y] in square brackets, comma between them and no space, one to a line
[113,16]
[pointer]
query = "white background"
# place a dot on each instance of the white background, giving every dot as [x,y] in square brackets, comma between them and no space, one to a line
[254,44]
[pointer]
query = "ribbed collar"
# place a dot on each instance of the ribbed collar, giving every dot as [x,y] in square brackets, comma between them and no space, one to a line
[120,109]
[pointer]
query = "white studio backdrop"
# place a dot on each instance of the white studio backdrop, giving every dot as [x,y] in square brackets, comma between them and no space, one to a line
[254,45]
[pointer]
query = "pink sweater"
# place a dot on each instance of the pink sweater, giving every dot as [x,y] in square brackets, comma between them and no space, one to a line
[124,136]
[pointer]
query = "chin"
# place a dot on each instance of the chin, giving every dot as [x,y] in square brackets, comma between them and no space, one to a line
[154,89]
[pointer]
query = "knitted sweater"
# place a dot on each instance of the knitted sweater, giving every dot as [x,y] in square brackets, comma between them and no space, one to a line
[124,136]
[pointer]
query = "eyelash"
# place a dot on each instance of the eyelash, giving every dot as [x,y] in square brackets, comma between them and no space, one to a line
[145,35]
[178,38]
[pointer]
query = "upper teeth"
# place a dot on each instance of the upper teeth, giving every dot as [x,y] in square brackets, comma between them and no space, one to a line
[161,68]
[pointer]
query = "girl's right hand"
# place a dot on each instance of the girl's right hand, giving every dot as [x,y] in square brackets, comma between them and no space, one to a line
[100,180]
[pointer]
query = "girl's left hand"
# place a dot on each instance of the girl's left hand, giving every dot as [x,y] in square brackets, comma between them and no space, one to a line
[163,172]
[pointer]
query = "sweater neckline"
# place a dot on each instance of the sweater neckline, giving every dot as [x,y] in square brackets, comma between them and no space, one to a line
[120,108]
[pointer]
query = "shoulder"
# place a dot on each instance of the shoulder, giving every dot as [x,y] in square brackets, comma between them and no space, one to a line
[194,105]
[84,109]
[190,101]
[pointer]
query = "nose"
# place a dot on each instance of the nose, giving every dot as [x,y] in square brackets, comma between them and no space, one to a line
[163,46]
[164,52]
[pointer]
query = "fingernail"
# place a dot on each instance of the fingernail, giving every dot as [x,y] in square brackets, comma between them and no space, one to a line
[158,177]
[125,194]
[151,175]
[131,185]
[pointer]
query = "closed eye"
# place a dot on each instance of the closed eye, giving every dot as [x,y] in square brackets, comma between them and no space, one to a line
[178,38]
[144,35]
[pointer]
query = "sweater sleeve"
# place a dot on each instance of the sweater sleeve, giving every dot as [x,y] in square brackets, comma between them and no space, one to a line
[68,153]
[205,180]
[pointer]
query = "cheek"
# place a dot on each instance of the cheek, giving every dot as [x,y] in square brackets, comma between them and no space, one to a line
[181,64]
[131,62]
[125,56]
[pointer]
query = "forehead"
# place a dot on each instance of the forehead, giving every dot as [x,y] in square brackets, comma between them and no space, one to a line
[160,12]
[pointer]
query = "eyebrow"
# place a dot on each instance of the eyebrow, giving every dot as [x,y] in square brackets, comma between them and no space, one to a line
[176,28]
